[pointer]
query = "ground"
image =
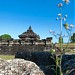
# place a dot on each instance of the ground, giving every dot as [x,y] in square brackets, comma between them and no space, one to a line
[7,57]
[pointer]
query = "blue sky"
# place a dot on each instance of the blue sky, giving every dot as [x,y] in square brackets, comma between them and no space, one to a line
[17,15]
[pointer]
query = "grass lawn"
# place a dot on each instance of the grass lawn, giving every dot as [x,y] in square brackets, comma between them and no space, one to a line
[7,57]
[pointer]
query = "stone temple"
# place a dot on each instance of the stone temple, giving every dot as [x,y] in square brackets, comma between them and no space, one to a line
[29,35]
[28,41]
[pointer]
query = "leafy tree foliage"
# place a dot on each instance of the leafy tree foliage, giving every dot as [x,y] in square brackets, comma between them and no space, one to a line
[5,37]
[73,38]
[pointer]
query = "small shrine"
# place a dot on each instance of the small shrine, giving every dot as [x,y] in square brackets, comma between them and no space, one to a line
[29,35]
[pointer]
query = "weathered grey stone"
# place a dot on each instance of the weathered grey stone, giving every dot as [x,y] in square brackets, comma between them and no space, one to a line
[19,67]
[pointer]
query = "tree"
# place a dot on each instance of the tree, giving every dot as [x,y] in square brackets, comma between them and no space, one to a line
[73,38]
[5,37]
[0,38]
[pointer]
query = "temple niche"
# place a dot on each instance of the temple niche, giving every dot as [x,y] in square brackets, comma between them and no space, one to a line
[29,35]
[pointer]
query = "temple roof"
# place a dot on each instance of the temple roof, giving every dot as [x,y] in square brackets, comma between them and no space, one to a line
[29,33]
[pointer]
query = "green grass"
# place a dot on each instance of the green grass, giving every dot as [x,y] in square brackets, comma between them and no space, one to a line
[7,57]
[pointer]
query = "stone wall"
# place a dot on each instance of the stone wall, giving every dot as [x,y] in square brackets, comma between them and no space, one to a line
[15,48]
[68,64]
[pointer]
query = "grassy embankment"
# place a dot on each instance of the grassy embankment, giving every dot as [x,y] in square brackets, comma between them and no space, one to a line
[7,57]
[70,48]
